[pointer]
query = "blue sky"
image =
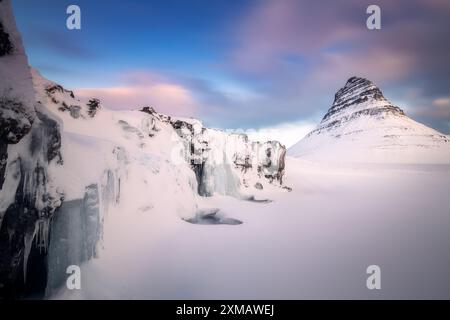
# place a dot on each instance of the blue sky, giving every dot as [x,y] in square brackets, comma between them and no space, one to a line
[244,64]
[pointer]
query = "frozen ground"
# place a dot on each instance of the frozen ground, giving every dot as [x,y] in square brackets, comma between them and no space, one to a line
[313,242]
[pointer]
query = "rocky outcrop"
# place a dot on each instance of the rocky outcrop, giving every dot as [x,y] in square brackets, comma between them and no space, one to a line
[56,97]
[5,43]
[226,162]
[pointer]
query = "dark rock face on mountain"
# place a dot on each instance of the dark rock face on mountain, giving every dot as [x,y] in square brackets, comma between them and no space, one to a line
[359,97]
[362,125]
[5,44]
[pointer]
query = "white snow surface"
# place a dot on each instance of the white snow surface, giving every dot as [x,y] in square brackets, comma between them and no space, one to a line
[313,242]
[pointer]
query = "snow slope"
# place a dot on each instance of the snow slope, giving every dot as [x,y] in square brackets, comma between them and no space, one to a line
[362,126]
[314,242]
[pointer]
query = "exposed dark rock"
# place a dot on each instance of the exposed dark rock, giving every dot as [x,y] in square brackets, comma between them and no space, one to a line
[3,162]
[258,186]
[47,138]
[149,110]
[178,124]
[58,88]
[244,164]
[15,121]
[357,92]
[6,46]
[93,106]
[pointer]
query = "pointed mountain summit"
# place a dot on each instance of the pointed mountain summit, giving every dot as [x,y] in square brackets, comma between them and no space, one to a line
[358,97]
[363,126]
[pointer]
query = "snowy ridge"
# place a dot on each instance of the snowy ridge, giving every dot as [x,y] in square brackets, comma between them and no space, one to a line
[363,126]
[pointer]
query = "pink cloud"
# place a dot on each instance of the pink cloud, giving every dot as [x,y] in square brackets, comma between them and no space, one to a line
[141,88]
[275,29]
[289,26]
[380,64]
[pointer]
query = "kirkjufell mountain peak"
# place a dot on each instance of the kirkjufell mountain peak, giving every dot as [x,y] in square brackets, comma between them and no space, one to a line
[363,126]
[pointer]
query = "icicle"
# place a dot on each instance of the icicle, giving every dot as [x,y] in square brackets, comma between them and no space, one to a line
[28,242]
[42,235]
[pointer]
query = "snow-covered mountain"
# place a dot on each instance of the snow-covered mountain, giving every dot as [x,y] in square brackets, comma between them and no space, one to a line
[363,126]
[71,171]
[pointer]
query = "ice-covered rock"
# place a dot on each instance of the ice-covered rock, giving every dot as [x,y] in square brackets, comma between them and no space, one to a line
[228,163]
[30,142]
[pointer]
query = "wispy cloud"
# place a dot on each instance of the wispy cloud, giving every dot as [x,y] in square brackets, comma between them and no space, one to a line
[62,42]
[141,88]
[442,102]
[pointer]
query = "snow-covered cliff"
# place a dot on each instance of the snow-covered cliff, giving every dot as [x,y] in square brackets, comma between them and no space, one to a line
[30,144]
[71,171]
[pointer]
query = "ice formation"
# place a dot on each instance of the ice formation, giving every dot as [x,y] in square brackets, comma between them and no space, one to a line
[68,164]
